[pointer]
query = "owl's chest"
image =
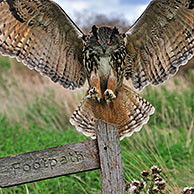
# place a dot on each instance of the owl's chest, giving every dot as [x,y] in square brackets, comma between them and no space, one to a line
[98,64]
[104,67]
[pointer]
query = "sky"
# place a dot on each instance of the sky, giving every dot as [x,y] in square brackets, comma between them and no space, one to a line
[129,9]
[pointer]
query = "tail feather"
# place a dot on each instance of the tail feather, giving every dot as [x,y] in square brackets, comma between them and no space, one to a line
[129,112]
[83,119]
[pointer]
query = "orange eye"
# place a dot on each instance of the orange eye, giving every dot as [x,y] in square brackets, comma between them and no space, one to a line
[97,43]
[110,43]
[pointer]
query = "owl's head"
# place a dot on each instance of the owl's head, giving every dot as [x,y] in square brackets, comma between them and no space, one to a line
[104,40]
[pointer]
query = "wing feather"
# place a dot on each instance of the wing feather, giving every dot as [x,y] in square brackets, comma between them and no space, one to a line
[160,41]
[41,35]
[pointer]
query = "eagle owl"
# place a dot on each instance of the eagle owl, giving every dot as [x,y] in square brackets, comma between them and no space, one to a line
[41,35]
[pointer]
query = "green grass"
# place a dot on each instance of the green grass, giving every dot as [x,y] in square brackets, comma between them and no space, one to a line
[5,63]
[167,141]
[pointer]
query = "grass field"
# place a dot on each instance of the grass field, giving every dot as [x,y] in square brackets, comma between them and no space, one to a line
[34,115]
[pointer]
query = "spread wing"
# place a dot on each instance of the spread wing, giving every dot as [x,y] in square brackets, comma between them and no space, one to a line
[41,35]
[160,41]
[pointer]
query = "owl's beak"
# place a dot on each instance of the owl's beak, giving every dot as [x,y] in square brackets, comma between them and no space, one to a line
[104,50]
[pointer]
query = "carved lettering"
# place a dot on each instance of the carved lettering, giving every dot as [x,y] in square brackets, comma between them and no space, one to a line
[63,160]
[53,163]
[80,157]
[26,167]
[72,157]
[16,166]
[36,165]
[45,163]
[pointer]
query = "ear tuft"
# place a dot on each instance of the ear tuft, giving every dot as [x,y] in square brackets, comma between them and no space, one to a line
[94,30]
[115,31]
[84,37]
[123,35]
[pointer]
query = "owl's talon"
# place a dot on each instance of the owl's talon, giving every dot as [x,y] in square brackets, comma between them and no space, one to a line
[109,95]
[94,94]
[93,91]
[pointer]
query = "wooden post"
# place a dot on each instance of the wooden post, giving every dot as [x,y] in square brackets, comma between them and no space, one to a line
[112,178]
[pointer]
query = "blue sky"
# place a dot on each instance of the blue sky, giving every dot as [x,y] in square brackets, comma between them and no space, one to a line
[129,9]
[134,2]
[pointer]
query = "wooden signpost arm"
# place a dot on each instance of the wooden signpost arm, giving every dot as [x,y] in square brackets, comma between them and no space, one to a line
[48,163]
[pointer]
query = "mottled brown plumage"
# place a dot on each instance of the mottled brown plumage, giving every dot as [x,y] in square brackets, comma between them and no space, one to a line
[160,41]
[41,35]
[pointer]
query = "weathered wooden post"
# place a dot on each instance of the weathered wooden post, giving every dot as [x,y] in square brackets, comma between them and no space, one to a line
[108,140]
[103,153]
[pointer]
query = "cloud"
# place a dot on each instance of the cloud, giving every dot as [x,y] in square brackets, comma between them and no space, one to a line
[131,10]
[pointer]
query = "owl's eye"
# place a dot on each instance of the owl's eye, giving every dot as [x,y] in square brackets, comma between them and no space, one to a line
[110,43]
[97,43]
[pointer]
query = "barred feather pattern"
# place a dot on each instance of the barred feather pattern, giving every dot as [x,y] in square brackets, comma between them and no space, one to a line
[160,41]
[43,37]
[129,112]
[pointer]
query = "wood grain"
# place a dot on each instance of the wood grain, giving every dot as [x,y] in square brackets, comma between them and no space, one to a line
[112,178]
[48,163]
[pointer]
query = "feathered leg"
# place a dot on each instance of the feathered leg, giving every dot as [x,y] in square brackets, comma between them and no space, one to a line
[95,91]
[109,94]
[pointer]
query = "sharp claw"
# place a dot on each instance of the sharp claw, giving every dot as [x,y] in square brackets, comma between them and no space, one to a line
[93,90]
[94,94]
[98,99]
[88,97]
[113,97]
[109,95]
